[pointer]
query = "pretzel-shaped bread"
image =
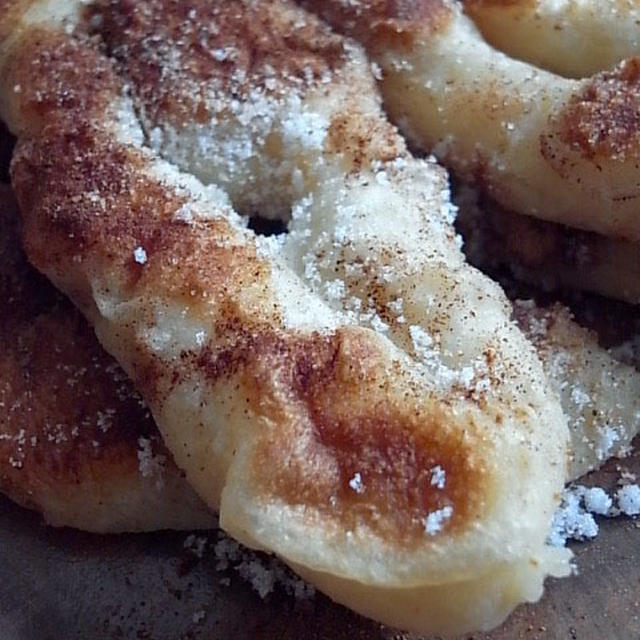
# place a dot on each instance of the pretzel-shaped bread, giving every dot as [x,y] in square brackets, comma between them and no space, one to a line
[351,395]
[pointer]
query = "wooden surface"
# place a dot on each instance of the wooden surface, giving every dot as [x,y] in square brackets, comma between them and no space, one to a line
[64,584]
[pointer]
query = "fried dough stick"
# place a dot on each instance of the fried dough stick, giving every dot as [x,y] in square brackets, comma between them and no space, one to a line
[76,442]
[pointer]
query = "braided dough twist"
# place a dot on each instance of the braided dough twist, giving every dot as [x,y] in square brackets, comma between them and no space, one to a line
[352,395]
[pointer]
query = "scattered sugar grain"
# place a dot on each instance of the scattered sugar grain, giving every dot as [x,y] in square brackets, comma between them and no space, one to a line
[199,616]
[597,500]
[263,573]
[356,483]
[629,499]
[196,544]
[434,522]
[626,477]
[438,477]
[140,255]
[150,464]
[571,520]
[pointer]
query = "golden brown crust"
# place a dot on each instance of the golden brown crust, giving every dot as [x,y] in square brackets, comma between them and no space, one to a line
[391,449]
[60,77]
[362,139]
[89,202]
[224,49]
[603,121]
[379,23]
[67,411]
[77,442]
[96,203]
[11,12]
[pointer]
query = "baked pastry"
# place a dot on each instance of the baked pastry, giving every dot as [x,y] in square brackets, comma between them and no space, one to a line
[351,396]
[572,39]
[537,143]
[599,395]
[76,442]
[547,254]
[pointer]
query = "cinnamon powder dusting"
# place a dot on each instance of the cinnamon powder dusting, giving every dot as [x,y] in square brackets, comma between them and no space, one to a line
[604,120]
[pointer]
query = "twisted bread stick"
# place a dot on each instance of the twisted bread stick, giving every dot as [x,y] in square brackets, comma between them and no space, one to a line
[352,396]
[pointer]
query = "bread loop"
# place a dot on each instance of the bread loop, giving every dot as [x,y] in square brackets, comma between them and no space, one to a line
[574,38]
[347,395]
[539,144]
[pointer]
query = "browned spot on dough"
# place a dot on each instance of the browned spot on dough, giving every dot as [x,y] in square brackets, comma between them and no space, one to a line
[384,23]
[324,431]
[603,121]
[68,413]
[187,59]
[11,13]
[59,77]
[361,139]
[91,200]
[394,456]
[93,196]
